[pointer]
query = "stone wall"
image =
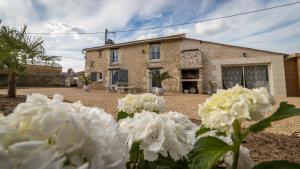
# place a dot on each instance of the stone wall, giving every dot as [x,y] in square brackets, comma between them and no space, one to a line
[38,69]
[35,80]
[37,75]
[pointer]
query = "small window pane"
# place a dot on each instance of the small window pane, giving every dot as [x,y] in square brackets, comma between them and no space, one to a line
[114,56]
[93,76]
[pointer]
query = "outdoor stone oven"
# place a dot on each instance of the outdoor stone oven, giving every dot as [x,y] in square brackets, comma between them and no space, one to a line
[191,71]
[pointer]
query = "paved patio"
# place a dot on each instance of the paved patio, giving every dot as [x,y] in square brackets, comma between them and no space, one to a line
[187,104]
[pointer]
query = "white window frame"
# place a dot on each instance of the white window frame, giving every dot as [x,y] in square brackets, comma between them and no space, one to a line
[150,52]
[98,73]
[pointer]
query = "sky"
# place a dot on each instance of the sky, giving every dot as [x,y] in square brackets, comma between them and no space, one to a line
[275,30]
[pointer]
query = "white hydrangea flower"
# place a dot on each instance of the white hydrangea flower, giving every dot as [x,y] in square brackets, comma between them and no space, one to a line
[245,161]
[237,103]
[66,134]
[170,133]
[136,103]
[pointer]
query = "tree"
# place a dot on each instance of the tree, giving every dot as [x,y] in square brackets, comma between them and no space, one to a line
[52,59]
[160,77]
[16,50]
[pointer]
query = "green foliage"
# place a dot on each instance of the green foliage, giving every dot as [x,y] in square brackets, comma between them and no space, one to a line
[85,80]
[137,160]
[207,152]
[52,59]
[202,130]
[284,111]
[17,49]
[160,77]
[123,115]
[280,164]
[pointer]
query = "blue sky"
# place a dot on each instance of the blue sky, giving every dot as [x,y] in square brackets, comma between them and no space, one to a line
[275,30]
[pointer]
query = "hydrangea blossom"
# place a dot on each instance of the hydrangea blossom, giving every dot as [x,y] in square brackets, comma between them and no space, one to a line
[245,161]
[136,103]
[50,134]
[237,103]
[171,134]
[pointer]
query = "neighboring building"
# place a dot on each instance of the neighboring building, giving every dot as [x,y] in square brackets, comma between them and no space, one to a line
[192,62]
[292,74]
[37,74]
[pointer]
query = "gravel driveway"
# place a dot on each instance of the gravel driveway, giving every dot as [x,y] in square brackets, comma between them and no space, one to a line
[278,142]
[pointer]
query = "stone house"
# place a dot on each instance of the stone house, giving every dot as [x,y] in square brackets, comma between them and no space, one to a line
[194,63]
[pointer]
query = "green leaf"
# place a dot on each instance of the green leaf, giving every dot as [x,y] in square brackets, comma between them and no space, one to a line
[285,110]
[123,115]
[207,152]
[136,155]
[280,164]
[202,130]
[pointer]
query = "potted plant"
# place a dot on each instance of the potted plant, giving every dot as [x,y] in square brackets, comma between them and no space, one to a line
[159,78]
[86,83]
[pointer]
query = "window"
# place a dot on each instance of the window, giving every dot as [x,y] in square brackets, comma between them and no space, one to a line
[93,76]
[100,76]
[119,76]
[99,53]
[114,56]
[155,51]
[246,76]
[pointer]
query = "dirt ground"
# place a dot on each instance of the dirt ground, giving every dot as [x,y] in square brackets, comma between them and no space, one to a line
[281,141]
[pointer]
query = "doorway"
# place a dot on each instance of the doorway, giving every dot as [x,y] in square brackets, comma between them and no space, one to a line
[153,83]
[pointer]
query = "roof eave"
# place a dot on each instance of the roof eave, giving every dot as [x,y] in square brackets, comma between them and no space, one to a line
[153,40]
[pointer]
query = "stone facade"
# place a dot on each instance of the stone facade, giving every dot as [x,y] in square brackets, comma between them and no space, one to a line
[204,59]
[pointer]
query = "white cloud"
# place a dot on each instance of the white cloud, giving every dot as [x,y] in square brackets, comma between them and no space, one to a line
[210,28]
[147,36]
[171,31]
[59,27]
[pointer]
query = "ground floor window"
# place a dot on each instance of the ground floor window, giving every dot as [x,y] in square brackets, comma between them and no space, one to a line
[93,76]
[155,83]
[119,76]
[100,76]
[246,76]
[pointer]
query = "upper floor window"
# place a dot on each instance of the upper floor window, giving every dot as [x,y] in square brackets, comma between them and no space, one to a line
[114,56]
[99,53]
[155,51]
